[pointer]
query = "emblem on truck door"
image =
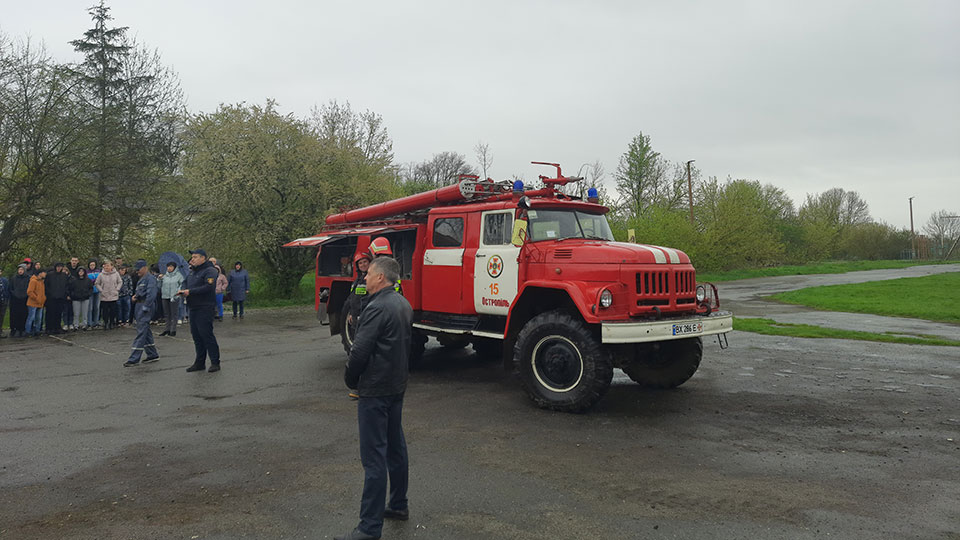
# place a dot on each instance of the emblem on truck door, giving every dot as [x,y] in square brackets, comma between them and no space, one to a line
[495,266]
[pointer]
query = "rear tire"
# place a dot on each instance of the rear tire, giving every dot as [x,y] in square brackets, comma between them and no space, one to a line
[452,342]
[488,349]
[418,343]
[666,364]
[347,333]
[560,363]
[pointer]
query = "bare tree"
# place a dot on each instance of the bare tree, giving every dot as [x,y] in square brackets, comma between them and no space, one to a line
[338,125]
[943,227]
[441,170]
[484,157]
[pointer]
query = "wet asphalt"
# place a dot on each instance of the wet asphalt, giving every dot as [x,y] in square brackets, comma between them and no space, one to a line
[772,438]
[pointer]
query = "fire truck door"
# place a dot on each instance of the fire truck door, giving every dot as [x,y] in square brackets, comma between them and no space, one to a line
[496,269]
[443,265]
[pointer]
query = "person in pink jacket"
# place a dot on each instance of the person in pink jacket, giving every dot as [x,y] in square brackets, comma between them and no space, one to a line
[109,283]
[220,289]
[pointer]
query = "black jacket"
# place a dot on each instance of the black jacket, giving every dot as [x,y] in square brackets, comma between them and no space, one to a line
[202,283]
[18,285]
[56,285]
[379,358]
[80,288]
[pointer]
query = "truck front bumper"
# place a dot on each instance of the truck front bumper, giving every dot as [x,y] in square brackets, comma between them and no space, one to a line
[719,322]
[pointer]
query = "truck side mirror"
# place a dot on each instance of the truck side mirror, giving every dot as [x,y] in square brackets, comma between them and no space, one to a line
[519,232]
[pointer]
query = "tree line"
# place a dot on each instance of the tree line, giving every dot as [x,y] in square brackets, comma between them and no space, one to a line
[101,158]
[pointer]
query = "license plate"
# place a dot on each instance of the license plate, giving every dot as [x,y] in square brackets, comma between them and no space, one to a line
[688,328]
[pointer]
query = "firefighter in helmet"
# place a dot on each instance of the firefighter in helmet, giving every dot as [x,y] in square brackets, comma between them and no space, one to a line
[380,247]
[358,288]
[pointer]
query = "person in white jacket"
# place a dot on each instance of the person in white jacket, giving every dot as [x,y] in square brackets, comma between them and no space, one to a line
[109,283]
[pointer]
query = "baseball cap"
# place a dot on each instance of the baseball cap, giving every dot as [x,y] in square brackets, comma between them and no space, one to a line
[199,252]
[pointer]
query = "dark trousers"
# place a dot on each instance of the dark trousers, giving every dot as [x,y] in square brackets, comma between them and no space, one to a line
[109,313]
[54,308]
[383,453]
[68,314]
[3,315]
[170,308]
[201,326]
[18,314]
[235,304]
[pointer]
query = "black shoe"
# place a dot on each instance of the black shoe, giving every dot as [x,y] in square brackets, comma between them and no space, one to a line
[401,515]
[234,315]
[241,316]
[129,363]
[164,333]
[195,367]
[151,359]
[172,334]
[214,368]
[356,534]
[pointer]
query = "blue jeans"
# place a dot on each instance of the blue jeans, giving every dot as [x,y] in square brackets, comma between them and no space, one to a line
[220,305]
[34,319]
[124,305]
[383,453]
[93,314]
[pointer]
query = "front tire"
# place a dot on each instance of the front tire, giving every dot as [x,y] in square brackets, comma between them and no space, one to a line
[560,363]
[666,364]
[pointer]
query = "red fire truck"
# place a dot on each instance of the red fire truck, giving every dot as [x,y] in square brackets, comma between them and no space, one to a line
[534,277]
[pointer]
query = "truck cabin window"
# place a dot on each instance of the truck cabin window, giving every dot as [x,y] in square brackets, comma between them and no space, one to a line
[560,224]
[448,232]
[497,229]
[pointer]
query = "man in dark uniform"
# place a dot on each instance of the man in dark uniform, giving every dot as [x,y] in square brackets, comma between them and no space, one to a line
[201,296]
[145,298]
[378,370]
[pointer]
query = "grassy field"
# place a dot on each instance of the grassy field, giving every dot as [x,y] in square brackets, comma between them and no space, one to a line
[773,328]
[830,267]
[934,298]
[258,298]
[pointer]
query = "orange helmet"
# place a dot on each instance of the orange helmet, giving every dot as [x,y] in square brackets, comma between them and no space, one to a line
[380,246]
[361,255]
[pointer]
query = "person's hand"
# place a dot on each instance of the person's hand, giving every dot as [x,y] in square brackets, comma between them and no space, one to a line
[349,319]
[248,291]
[184,292]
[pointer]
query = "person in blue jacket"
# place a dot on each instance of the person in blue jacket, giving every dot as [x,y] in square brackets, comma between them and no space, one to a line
[144,299]
[238,285]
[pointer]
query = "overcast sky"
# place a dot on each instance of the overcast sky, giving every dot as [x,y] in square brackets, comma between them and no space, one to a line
[806,95]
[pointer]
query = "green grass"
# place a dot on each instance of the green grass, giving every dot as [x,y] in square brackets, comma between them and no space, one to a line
[258,298]
[772,328]
[830,267]
[934,298]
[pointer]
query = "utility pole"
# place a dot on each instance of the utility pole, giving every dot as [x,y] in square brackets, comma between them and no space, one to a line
[913,236]
[690,189]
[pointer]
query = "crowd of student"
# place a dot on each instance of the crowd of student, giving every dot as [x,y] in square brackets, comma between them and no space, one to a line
[72,297]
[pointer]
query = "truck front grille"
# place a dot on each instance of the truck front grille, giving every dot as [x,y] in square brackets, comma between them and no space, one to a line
[659,287]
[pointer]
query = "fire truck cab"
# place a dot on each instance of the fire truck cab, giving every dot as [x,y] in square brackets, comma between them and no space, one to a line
[533,277]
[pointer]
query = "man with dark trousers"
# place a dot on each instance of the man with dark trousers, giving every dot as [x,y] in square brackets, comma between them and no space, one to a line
[201,296]
[145,297]
[56,289]
[377,370]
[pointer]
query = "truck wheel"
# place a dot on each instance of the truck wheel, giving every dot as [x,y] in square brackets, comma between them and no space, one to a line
[488,349]
[347,332]
[418,343]
[667,364]
[452,342]
[560,363]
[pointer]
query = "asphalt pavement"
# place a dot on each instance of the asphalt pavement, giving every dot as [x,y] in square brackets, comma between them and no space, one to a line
[772,438]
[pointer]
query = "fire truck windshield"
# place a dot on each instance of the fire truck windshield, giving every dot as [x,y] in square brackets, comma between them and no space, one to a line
[561,224]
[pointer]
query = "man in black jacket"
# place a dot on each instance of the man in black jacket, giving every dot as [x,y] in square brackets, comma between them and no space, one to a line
[377,370]
[56,288]
[201,297]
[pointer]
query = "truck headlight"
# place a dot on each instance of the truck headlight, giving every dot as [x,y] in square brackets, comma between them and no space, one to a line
[701,294]
[606,298]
